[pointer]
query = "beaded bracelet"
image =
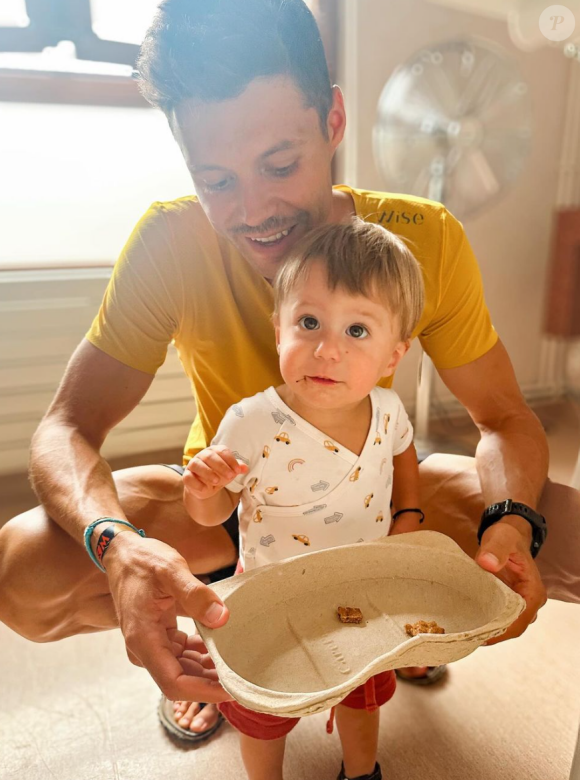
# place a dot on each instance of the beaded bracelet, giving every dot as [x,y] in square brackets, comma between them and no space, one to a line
[89,530]
[402,512]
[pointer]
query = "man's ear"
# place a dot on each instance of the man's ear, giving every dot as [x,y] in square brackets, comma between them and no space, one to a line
[336,121]
[396,356]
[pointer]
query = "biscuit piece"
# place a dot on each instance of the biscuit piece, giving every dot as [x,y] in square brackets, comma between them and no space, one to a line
[422,627]
[350,615]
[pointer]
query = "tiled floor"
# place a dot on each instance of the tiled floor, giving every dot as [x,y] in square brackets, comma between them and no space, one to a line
[78,710]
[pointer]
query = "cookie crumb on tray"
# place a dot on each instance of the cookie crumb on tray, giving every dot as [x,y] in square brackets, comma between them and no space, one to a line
[350,615]
[422,627]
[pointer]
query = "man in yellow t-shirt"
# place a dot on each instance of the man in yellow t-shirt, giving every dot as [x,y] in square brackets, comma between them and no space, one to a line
[222,328]
[246,91]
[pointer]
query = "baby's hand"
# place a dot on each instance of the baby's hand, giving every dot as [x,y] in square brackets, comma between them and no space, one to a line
[211,470]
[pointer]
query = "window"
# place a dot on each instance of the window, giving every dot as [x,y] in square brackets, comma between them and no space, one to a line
[75,180]
[81,153]
[13,14]
[126,22]
[107,31]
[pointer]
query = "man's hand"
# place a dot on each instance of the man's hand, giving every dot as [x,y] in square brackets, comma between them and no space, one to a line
[505,552]
[150,584]
[193,657]
[211,470]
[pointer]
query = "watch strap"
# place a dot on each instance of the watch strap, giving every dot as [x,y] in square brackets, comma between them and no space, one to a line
[496,512]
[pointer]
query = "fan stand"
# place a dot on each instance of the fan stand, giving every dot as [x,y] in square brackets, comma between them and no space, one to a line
[424,443]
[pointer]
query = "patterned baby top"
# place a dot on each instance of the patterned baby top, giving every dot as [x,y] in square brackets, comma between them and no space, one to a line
[303,491]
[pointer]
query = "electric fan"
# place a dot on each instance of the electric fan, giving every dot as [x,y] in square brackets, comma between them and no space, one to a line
[454,124]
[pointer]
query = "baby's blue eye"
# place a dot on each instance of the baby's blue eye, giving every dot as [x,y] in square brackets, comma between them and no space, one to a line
[309,323]
[357,331]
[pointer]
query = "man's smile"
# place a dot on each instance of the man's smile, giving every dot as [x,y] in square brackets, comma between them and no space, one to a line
[272,238]
[265,245]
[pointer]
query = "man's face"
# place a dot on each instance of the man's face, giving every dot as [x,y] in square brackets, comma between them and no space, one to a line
[261,166]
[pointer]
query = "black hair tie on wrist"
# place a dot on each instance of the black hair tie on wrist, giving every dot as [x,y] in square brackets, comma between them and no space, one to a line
[402,512]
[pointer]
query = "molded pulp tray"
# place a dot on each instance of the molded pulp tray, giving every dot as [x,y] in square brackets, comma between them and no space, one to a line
[285,652]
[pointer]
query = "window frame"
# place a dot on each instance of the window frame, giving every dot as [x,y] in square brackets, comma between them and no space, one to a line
[51,23]
[71,20]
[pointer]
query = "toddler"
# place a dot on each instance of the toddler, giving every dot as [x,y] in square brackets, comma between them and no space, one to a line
[326,458]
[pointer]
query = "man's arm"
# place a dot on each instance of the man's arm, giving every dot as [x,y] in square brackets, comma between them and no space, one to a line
[68,474]
[512,455]
[147,578]
[512,462]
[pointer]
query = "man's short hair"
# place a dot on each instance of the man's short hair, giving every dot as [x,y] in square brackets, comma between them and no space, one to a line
[362,258]
[212,49]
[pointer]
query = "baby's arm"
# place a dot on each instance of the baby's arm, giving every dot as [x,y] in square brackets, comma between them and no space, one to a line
[205,496]
[406,491]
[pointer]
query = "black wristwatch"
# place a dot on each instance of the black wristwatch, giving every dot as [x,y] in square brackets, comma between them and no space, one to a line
[495,512]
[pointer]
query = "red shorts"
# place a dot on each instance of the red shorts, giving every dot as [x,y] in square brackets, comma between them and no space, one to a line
[370,696]
[375,692]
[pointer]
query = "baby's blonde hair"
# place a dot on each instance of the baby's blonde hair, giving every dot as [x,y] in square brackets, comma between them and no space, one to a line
[362,258]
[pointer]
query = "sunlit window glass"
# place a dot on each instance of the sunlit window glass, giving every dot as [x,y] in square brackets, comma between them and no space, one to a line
[75,179]
[122,20]
[13,14]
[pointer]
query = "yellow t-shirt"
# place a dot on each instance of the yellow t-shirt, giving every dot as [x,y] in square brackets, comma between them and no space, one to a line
[176,279]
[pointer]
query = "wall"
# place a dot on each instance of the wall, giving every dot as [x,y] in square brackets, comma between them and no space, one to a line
[126,158]
[511,237]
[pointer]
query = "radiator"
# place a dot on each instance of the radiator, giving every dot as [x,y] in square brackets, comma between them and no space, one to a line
[43,316]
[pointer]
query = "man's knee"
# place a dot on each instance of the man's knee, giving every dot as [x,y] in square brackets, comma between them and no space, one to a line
[451,498]
[51,589]
[154,483]
[40,568]
[559,558]
[453,503]
[152,498]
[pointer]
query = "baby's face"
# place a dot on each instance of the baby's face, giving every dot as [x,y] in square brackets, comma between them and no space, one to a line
[334,347]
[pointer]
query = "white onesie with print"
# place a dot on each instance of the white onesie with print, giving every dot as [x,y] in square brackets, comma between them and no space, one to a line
[303,492]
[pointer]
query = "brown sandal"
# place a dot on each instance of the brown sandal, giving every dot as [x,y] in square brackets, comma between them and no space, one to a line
[172,727]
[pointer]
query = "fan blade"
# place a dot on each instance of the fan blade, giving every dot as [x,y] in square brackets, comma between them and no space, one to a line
[475,179]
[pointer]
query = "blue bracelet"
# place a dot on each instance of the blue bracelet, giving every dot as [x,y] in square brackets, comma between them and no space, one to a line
[89,531]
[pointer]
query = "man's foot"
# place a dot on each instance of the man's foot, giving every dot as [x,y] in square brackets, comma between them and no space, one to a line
[421,675]
[188,715]
[189,721]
